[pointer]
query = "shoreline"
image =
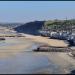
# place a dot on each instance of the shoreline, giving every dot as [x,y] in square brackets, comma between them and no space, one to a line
[46,40]
[19,44]
[22,44]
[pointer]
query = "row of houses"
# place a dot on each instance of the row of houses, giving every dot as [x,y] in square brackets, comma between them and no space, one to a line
[64,32]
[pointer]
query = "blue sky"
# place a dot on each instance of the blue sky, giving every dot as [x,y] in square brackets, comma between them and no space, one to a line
[25,11]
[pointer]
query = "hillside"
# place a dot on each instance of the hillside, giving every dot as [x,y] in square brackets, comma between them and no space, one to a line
[60,24]
[30,28]
[54,25]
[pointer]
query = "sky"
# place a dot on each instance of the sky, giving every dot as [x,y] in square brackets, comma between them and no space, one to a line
[26,11]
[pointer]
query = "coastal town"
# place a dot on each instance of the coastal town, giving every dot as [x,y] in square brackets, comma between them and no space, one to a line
[37,37]
[55,49]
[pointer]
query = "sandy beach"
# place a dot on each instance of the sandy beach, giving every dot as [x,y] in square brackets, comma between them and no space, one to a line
[14,46]
[18,46]
[46,40]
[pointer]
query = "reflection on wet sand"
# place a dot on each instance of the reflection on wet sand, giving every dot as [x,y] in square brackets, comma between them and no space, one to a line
[13,46]
[17,57]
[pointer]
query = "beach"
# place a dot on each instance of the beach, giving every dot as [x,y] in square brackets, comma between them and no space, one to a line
[46,40]
[19,44]
[17,56]
[13,46]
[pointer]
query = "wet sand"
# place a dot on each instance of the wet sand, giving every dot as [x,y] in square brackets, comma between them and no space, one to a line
[14,58]
[65,62]
[37,63]
[14,46]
